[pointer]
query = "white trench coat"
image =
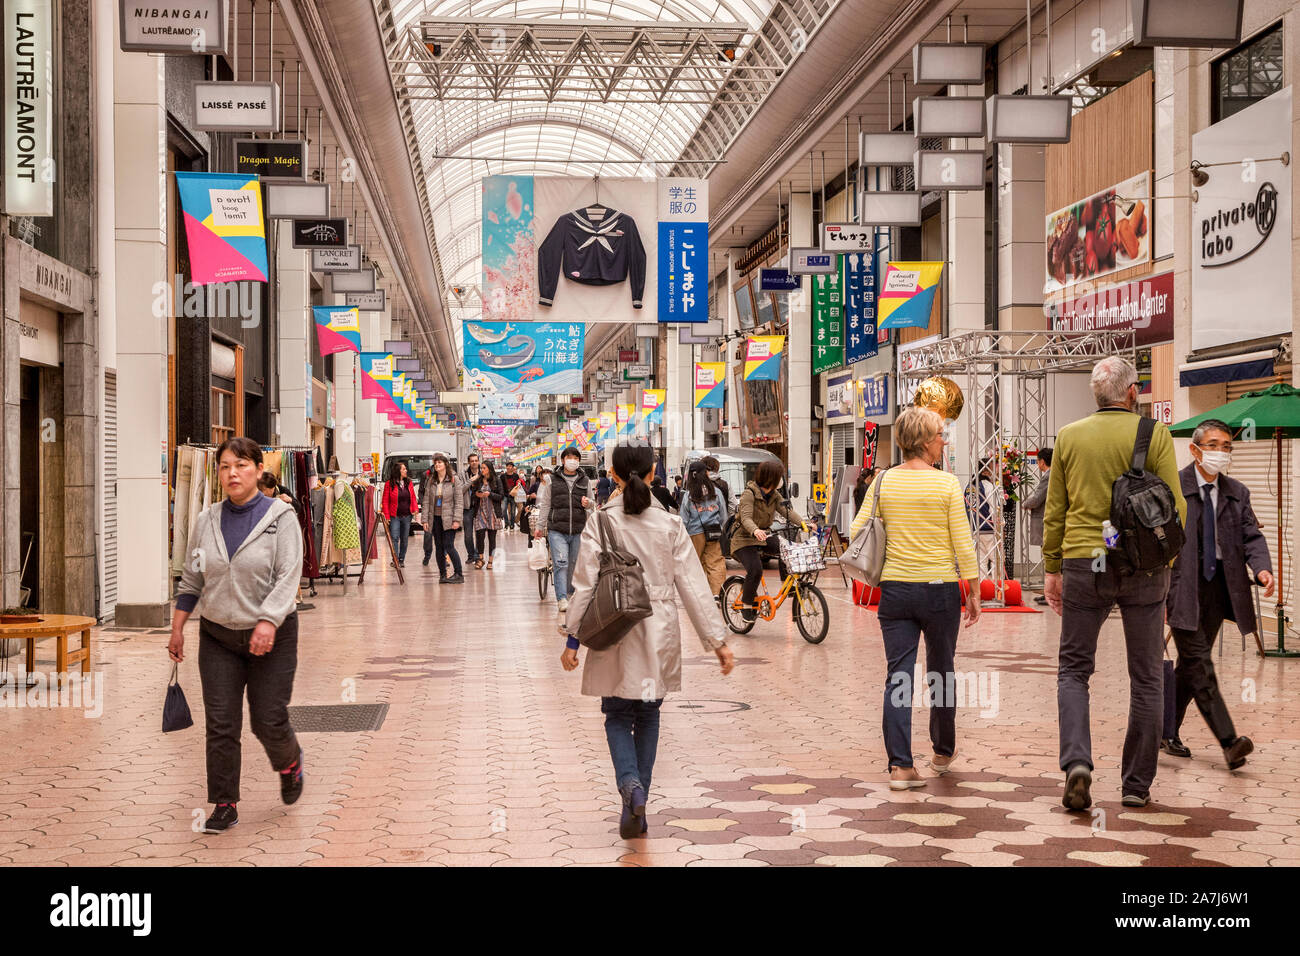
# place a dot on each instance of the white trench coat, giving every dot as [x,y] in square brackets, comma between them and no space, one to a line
[647,662]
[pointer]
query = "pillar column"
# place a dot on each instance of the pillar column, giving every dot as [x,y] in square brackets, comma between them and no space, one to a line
[141,303]
[731,325]
[799,350]
[293,306]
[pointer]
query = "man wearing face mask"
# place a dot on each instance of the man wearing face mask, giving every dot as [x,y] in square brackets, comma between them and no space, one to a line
[562,507]
[1209,583]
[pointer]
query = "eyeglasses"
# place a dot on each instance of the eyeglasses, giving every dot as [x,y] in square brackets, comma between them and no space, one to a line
[1215,445]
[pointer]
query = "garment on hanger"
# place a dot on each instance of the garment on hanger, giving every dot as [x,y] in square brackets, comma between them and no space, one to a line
[310,566]
[591,249]
[347,536]
[319,506]
[181,508]
[320,462]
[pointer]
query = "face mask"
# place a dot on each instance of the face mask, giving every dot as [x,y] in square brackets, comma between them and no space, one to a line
[1214,462]
[713,475]
[570,465]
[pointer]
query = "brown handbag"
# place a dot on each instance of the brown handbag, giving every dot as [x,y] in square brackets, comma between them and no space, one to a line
[620,598]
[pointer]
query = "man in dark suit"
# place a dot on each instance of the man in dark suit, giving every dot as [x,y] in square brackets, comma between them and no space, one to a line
[1209,583]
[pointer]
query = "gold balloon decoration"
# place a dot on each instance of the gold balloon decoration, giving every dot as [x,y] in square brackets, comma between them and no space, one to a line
[941,394]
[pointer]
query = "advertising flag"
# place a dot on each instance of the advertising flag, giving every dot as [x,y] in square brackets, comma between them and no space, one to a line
[338,328]
[907,294]
[710,384]
[763,358]
[224,227]
[860,339]
[828,321]
[652,406]
[626,414]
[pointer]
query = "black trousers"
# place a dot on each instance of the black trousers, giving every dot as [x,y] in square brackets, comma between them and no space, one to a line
[443,539]
[1195,669]
[752,558]
[491,535]
[226,668]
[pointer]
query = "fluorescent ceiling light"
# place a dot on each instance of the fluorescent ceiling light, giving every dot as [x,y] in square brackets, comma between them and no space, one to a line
[1029,119]
[1189,23]
[948,63]
[949,116]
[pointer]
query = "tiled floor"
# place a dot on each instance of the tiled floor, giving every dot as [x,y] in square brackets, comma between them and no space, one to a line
[490,756]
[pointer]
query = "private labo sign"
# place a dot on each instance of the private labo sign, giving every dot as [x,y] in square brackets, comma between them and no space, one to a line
[237,107]
[194,26]
[28,140]
[271,158]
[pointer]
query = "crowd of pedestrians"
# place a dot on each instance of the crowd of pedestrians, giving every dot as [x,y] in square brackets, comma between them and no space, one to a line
[1181,568]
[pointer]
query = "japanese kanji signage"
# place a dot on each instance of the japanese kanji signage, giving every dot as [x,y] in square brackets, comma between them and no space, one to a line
[683,250]
[860,339]
[828,322]
[777,280]
[846,237]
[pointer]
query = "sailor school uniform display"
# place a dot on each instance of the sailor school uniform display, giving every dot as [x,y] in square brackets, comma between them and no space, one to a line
[593,249]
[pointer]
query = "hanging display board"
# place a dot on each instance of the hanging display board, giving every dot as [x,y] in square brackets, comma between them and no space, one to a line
[177,26]
[860,339]
[828,322]
[683,256]
[506,356]
[271,158]
[347,259]
[236,106]
[28,136]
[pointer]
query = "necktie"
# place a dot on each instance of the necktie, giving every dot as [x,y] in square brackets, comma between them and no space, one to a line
[1207,533]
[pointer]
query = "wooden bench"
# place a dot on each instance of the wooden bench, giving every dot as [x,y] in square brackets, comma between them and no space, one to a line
[59,627]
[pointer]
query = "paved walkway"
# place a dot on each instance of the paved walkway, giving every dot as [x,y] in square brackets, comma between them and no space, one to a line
[489,754]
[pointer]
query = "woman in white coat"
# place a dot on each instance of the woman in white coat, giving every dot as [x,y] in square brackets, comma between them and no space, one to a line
[632,677]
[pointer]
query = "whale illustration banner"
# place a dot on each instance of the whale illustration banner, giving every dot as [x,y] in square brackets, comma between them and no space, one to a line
[539,358]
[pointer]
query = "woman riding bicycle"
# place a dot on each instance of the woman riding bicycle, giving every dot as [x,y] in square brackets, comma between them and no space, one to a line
[759,506]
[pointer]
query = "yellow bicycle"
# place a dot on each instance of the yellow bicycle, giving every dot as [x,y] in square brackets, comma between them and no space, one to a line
[802,560]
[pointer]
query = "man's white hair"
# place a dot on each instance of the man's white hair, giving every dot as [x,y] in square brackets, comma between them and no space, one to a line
[1111,379]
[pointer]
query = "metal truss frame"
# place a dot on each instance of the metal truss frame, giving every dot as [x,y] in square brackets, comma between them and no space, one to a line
[986,362]
[554,61]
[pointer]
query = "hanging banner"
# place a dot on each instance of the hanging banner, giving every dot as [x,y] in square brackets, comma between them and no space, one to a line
[506,409]
[763,358]
[626,415]
[607,423]
[542,358]
[652,406]
[870,438]
[710,384]
[509,286]
[224,227]
[828,322]
[376,370]
[338,329]
[907,296]
[683,250]
[860,340]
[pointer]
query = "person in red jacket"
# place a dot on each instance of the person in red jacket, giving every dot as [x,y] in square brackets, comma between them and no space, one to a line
[401,503]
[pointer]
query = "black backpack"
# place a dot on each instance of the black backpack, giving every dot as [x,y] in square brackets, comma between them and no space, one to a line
[1143,511]
[728,530]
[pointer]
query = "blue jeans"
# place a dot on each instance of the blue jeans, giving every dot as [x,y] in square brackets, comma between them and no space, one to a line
[632,730]
[906,611]
[564,555]
[399,529]
[510,511]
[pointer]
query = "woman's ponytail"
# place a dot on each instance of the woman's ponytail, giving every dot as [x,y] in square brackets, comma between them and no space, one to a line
[630,462]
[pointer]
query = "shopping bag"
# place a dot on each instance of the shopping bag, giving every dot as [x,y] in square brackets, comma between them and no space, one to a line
[537,557]
[176,712]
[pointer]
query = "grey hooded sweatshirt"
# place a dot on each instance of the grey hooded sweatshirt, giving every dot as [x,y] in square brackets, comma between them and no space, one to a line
[259,582]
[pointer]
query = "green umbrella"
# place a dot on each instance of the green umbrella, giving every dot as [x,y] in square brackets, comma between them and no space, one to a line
[1273,412]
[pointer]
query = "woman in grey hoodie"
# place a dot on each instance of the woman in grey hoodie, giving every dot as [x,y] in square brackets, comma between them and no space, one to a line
[243,568]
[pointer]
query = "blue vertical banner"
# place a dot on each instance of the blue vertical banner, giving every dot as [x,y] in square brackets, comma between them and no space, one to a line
[683,208]
[860,339]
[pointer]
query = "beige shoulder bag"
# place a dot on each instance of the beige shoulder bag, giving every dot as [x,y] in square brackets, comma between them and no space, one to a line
[864,559]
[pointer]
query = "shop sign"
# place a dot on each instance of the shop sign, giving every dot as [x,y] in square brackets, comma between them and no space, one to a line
[28,131]
[291,199]
[860,340]
[583,407]
[320,233]
[237,106]
[1163,412]
[1144,305]
[1102,234]
[683,253]
[604,376]
[778,280]
[1241,227]
[375,301]
[811,262]
[874,396]
[839,398]
[363,280]
[636,373]
[347,259]
[38,335]
[847,237]
[189,26]
[828,323]
[629,355]
[271,158]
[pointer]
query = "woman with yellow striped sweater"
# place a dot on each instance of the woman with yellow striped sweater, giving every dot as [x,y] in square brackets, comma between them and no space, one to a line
[929,546]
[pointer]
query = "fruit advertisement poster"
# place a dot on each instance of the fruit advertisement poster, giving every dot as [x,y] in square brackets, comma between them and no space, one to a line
[1108,231]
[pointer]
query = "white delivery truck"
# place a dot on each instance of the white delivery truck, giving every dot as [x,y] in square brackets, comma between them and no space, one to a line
[415,447]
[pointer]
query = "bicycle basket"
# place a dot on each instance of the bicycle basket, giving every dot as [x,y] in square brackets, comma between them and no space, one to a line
[801,557]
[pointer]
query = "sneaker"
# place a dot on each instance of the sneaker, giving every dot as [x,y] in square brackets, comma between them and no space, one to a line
[291,780]
[221,819]
[1235,753]
[1175,747]
[456,579]
[1135,800]
[563,605]
[630,821]
[426,560]
[1078,784]
[904,782]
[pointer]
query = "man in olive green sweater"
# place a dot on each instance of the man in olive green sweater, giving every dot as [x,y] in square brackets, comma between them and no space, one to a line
[1082,586]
